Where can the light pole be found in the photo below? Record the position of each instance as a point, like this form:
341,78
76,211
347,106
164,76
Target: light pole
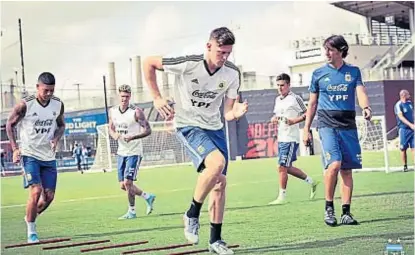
79,92
21,54
16,70
234,27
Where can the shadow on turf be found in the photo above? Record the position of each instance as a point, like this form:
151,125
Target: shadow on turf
322,199
266,205
318,244
401,217
240,208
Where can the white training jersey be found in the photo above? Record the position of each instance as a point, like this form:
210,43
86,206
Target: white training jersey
288,107
126,124
198,93
37,128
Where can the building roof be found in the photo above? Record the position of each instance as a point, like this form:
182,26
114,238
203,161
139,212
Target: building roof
378,10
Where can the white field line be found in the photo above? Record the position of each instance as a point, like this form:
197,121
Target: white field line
114,196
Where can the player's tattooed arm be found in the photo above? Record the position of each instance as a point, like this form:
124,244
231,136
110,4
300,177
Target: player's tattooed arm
143,122
15,117
60,122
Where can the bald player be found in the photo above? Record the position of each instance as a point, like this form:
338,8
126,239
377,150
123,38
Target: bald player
404,112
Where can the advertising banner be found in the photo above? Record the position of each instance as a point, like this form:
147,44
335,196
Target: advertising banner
84,124
262,141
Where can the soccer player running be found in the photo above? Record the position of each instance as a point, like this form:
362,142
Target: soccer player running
332,95
202,81
127,124
404,112
41,123
289,111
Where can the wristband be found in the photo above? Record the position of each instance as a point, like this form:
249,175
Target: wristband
368,107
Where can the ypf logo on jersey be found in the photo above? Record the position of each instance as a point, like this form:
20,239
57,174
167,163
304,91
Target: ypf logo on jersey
202,95
122,129
336,92
43,126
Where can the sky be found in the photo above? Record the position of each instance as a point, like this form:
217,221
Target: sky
77,40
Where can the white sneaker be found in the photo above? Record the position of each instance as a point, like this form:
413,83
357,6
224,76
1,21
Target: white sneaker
191,229
33,238
279,201
220,247
314,189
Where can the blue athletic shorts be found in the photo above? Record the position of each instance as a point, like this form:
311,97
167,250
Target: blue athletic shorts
200,142
406,138
340,145
287,153
128,167
39,172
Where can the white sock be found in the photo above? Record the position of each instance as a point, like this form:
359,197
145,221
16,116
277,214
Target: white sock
131,209
282,193
309,180
31,228
145,195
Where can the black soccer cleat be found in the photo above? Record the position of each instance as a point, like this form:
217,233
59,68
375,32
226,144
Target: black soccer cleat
330,217
347,219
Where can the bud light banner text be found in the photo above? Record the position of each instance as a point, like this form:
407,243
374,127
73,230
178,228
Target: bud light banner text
84,124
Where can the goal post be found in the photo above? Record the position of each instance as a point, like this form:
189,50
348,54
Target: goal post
103,155
159,149
374,144
378,153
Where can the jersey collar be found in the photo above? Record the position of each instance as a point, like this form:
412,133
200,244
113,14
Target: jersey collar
126,109
43,105
289,93
207,67
331,67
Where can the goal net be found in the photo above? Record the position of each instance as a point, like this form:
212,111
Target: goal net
103,157
161,148
379,154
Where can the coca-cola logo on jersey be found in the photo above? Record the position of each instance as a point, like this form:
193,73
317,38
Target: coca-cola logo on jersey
207,94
